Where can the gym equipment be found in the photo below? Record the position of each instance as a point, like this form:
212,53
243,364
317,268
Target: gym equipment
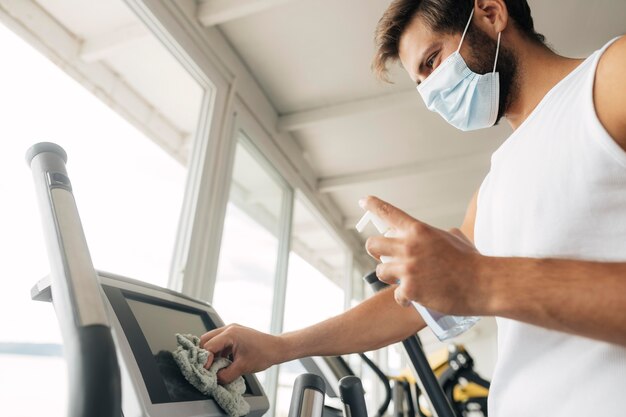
334,368
449,384
352,396
465,389
144,320
118,333
307,399
403,402
95,386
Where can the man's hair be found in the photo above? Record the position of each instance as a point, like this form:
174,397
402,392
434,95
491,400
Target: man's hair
444,16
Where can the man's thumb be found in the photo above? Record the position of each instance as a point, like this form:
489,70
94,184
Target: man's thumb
229,374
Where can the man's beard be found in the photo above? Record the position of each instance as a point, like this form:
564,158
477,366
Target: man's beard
483,54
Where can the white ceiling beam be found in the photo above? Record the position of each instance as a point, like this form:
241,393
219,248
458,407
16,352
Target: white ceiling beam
297,121
104,45
216,12
428,168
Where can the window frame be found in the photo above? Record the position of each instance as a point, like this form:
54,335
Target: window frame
249,133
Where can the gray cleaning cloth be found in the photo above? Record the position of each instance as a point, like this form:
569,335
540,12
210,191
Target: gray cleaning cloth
191,359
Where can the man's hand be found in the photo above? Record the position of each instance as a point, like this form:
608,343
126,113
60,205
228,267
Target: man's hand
251,351
438,269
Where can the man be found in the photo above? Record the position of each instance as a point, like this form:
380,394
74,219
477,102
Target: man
543,243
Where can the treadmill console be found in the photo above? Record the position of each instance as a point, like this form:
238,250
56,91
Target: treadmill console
145,319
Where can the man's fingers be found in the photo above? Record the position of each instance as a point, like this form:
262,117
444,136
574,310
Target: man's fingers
390,273
385,246
209,360
230,373
400,297
210,335
393,216
218,344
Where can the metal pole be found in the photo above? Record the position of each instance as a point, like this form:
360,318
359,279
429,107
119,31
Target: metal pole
94,375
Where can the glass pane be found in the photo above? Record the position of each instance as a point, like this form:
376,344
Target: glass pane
317,265
247,267
311,296
358,292
128,189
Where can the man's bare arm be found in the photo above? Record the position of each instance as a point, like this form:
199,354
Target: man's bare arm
376,322
373,324
583,298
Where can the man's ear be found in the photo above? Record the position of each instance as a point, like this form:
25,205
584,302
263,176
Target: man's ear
492,16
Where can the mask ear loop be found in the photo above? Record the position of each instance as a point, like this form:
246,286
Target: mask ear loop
465,31
497,52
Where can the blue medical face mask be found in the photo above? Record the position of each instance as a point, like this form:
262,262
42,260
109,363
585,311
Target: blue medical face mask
466,100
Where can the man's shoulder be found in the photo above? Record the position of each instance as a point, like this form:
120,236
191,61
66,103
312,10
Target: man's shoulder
610,90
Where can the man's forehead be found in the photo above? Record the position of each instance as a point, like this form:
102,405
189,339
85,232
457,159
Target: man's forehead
417,37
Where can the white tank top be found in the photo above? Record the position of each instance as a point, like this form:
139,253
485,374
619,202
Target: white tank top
556,188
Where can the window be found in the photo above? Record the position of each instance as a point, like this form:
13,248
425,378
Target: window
317,269
358,287
128,191
244,289
249,254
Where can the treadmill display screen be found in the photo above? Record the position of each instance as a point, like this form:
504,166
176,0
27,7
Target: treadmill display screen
159,325
150,326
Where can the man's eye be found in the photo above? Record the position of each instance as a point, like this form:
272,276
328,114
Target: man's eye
431,60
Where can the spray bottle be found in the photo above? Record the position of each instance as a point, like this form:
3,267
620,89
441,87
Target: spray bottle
443,326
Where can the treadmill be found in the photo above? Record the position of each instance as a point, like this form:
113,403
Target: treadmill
118,333
144,319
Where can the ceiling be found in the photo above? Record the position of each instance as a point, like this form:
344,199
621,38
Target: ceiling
310,55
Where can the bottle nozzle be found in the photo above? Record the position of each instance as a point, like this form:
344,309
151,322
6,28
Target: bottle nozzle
379,223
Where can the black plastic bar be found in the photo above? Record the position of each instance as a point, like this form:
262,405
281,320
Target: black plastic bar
352,396
410,404
307,398
413,349
94,375
398,400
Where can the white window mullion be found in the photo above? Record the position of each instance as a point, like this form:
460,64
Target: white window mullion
198,254
194,178
348,280
280,289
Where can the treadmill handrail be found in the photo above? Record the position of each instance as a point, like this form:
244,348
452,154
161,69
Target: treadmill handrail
307,398
94,375
352,396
